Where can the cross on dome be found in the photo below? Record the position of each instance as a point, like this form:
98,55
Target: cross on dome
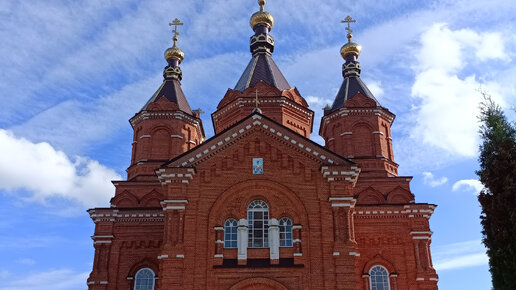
349,20
175,23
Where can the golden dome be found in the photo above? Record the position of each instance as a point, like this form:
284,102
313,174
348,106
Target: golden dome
174,52
350,47
262,17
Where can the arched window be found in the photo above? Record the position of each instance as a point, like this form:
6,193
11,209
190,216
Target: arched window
230,233
144,279
258,219
285,232
379,278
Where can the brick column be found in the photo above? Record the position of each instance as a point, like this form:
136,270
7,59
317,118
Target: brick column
99,276
274,241
242,241
172,253
394,281
344,249
365,278
219,246
298,250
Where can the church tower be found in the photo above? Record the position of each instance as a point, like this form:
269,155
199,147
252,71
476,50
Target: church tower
166,126
356,126
263,85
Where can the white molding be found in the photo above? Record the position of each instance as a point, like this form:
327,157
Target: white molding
420,279
218,228
354,254
295,227
174,207
162,257
336,253
341,205
341,198
176,136
433,279
103,282
180,256
102,242
175,200
298,254
218,256
144,136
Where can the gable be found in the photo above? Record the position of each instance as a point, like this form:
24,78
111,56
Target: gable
267,129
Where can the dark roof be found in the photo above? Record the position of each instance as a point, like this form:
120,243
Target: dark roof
171,89
349,88
262,68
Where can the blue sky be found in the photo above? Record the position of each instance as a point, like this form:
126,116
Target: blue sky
73,73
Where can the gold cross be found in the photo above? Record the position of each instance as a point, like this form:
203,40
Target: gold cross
176,22
348,20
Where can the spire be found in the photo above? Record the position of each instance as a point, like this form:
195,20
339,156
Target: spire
172,74
262,66
352,83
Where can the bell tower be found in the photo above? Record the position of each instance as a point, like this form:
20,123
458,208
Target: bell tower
166,126
262,84
356,126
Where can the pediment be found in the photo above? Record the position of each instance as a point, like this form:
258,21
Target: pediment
360,101
162,104
253,127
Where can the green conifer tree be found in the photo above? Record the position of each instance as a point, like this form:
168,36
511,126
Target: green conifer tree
498,199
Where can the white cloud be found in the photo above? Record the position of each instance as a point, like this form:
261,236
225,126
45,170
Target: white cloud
472,185
61,279
430,180
469,260
447,114
46,172
459,255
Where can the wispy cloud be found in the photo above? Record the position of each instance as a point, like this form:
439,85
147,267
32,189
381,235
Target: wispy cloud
47,173
459,255
471,185
60,279
430,180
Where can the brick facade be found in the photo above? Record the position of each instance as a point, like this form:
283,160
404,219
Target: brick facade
350,211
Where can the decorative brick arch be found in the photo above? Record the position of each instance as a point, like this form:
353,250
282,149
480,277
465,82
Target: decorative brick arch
399,195
258,284
370,196
151,199
124,199
145,263
379,260
233,202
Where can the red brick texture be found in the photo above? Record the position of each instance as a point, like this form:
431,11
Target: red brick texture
347,218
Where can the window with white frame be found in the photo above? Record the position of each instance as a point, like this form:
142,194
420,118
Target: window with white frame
144,279
230,233
379,278
258,219
285,232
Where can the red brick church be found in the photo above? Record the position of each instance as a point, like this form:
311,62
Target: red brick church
259,205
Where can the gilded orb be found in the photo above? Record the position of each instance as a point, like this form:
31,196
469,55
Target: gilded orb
174,52
350,47
262,17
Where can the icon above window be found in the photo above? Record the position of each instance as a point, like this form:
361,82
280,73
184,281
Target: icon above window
257,165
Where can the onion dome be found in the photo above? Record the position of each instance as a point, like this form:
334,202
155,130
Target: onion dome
174,52
262,17
350,47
